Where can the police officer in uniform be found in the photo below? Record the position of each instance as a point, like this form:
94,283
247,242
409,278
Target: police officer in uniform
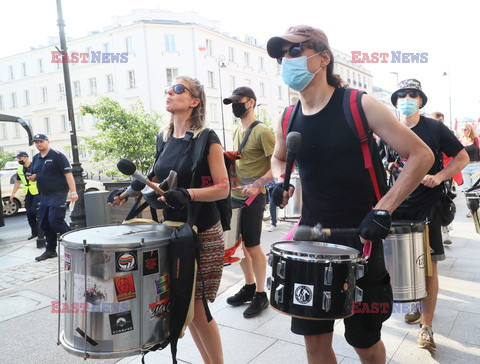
32,198
53,173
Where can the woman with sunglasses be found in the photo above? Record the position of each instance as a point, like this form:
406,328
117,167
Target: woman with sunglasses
185,101
469,139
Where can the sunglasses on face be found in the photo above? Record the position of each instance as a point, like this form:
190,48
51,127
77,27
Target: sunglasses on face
178,89
295,50
403,94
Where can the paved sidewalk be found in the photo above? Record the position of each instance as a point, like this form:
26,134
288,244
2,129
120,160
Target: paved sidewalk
29,328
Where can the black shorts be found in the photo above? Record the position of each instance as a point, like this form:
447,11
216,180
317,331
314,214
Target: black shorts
434,226
251,219
363,329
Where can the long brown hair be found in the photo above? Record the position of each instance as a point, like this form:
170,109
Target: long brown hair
471,133
198,112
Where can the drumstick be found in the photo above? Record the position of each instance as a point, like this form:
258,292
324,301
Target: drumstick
319,233
127,167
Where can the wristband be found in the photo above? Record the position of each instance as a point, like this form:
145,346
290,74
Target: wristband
74,193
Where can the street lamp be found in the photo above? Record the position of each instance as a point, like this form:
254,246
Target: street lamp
77,216
396,74
221,64
397,113
449,96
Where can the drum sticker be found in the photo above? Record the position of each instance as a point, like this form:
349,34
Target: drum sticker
68,261
159,309
121,322
125,287
162,284
150,262
126,261
421,261
303,294
97,292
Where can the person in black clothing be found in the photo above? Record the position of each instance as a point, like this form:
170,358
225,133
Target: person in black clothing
336,188
185,101
423,203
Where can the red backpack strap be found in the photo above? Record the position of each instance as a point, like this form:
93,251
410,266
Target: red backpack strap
286,118
354,98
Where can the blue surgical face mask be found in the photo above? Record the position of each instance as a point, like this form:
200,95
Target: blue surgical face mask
407,106
295,72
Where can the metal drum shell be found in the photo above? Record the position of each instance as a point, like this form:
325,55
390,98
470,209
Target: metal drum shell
405,260
104,246
296,265
231,236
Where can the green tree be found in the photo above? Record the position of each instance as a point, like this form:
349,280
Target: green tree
262,115
6,157
122,134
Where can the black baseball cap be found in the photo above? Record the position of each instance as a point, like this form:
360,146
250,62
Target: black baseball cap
40,137
21,154
238,93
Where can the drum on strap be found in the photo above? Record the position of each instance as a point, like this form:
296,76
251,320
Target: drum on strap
314,280
116,290
405,260
232,237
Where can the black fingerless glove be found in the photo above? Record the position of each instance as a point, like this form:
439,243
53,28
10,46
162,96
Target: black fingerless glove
116,192
376,225
178,198
277,193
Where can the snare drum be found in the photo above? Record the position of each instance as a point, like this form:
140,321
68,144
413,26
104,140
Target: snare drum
116,290
313,280
405,260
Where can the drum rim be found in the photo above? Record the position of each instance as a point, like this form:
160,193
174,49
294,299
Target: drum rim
354,256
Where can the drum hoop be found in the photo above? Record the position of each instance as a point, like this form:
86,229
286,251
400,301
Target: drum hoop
319,259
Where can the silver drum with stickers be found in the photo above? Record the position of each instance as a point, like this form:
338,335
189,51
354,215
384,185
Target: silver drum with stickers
116,292
314,280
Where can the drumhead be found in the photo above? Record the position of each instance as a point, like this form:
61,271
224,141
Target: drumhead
315,250
408,226
118,236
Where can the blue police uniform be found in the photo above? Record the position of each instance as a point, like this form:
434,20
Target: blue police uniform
53,187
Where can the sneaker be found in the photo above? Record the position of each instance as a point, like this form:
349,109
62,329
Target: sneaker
245,295
258,304
271,228
469,214
47,254
412,318
425,338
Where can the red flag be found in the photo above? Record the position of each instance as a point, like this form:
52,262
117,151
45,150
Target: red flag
456,125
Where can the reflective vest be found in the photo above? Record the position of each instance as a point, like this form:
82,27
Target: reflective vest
28,186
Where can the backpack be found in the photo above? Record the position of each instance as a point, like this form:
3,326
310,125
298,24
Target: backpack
224,206
356,120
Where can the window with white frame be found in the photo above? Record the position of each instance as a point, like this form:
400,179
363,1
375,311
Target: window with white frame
106,47
64,123
246,58
3,131
1,102
13,97
171,74
24,69
128,44
40,66
231,54
213,113
232,83
209,43
131,79
79,122
262,89
93,85
169,42
211,79
280,92
110,87
77,91
17,130
248,83
10,72
26,93
44,94
261,65
61,91
46,125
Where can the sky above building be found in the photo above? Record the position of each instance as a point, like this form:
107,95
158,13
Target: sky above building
444,32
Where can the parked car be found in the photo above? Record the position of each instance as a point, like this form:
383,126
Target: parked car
8,178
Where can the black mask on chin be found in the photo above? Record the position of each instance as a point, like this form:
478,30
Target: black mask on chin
239,109
21,162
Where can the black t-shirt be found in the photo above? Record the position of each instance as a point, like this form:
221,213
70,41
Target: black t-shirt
440,139
177,155
472,151
336,188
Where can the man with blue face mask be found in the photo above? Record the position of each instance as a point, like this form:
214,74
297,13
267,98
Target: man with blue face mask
424,203
337,190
